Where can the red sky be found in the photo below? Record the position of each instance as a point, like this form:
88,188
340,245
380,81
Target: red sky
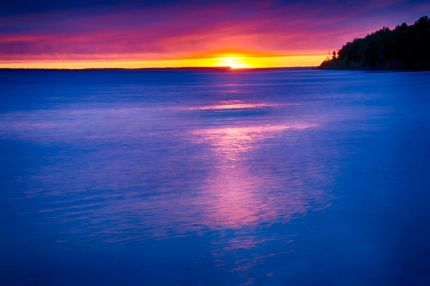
180,33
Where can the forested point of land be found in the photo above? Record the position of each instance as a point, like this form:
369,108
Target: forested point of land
406,47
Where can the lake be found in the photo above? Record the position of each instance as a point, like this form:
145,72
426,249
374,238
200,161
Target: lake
214,177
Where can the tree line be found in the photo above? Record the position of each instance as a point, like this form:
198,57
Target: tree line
406,47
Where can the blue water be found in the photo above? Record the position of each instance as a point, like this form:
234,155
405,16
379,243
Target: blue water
200,177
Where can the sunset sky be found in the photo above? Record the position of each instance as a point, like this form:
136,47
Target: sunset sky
240,34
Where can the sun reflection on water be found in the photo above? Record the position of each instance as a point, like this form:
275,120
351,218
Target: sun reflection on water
235,195
230,142
233,104
236,191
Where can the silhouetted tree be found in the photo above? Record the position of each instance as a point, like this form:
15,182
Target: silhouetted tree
405,47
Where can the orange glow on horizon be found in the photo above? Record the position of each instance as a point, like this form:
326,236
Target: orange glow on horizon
232,61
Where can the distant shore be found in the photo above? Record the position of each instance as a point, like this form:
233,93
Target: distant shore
224,69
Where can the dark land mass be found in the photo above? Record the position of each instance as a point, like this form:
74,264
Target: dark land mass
407,47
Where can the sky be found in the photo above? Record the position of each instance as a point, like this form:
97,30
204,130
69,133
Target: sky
139,34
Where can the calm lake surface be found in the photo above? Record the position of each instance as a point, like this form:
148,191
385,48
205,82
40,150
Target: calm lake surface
205,177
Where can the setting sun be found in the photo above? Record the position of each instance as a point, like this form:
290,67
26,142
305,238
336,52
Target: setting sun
235,62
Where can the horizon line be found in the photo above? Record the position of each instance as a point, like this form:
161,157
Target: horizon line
218,68
234,61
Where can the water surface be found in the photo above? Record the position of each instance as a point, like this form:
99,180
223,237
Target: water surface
201,177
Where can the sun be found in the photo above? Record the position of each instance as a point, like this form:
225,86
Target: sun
235,62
